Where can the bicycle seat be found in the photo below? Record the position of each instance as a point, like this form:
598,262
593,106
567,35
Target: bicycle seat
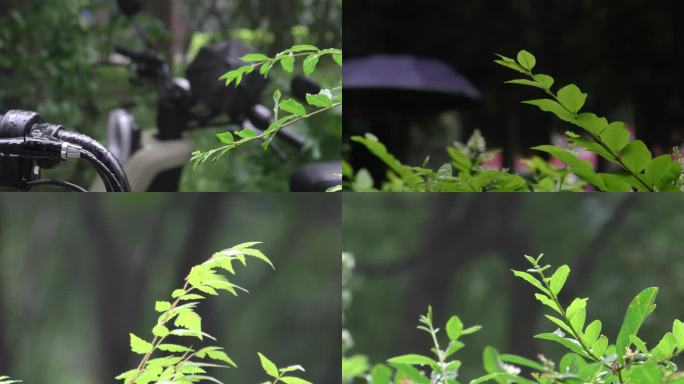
317,177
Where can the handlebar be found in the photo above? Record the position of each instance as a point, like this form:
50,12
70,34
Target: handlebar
26,145
137,56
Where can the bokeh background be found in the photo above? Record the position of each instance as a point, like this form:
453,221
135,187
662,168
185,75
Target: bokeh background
78,274
455,253
56,59
625,54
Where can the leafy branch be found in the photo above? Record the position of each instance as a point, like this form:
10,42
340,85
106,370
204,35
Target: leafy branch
443,370
325,100
281,375
186,364
610,140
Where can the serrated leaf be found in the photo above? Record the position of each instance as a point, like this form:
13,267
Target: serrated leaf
139,345
160,331
269,367
162,306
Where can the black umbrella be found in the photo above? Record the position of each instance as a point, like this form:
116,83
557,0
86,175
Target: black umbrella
404,83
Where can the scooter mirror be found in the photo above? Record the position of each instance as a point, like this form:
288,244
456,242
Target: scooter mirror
129,7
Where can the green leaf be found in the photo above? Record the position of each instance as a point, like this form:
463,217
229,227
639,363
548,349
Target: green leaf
162,306
160,330
678,332
177,293
293,380
221,356
338,58
548,105
139,345
526,82
591,123
572,98
658,169
303,47
648,373
572,345
225,137
189,320
599,347
526,60
639,309
640,344
255,57
592,333
545,80
547,301
269,367
615,136
287,62
380,151
576,313
558,279
530,279
454,327
310,64
173,348
413,359
293,106
636,156
247,133
614,183
323,99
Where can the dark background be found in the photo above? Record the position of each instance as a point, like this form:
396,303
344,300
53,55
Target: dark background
455,253
626,54
78,274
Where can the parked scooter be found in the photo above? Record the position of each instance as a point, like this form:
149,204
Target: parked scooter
154,159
